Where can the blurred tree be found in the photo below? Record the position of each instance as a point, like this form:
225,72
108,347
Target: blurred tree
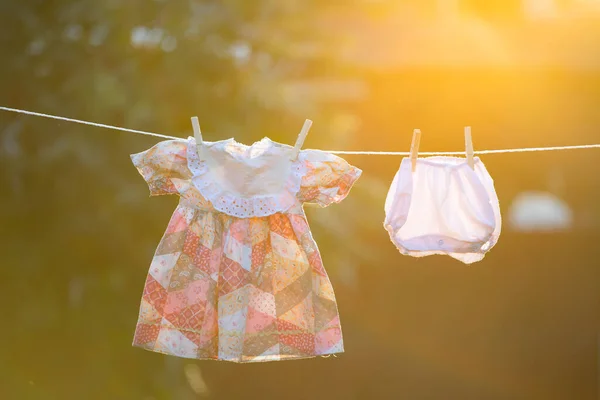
78,231
242,67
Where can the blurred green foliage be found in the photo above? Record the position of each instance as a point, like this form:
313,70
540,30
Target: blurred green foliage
78,230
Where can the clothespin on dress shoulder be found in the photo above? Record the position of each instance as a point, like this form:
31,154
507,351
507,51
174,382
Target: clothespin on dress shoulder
197,135
414,148
301,138
469,147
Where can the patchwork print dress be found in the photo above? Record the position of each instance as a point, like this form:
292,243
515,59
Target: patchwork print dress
237,275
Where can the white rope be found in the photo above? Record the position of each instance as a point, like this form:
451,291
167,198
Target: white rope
380,153
86,122
461,153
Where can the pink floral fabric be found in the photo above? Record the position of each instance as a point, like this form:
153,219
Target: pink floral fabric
239,289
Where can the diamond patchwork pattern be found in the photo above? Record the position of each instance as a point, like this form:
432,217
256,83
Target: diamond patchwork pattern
245,289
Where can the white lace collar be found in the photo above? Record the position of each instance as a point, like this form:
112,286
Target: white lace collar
246,157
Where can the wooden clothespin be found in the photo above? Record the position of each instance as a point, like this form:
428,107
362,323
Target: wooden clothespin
197,132
301,138
414,148
197,135
469,147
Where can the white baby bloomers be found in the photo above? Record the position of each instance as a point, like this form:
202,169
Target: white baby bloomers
443,207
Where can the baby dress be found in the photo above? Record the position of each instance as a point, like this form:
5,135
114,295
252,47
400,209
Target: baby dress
237,275
443,207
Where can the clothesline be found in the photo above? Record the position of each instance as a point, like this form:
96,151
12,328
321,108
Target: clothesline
383,153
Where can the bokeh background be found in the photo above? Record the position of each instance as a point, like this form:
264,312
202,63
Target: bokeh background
78,229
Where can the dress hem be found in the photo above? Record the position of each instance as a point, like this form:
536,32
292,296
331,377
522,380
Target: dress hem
249,360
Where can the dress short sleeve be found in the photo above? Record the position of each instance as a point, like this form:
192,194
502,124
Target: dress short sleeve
162,164
327,179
